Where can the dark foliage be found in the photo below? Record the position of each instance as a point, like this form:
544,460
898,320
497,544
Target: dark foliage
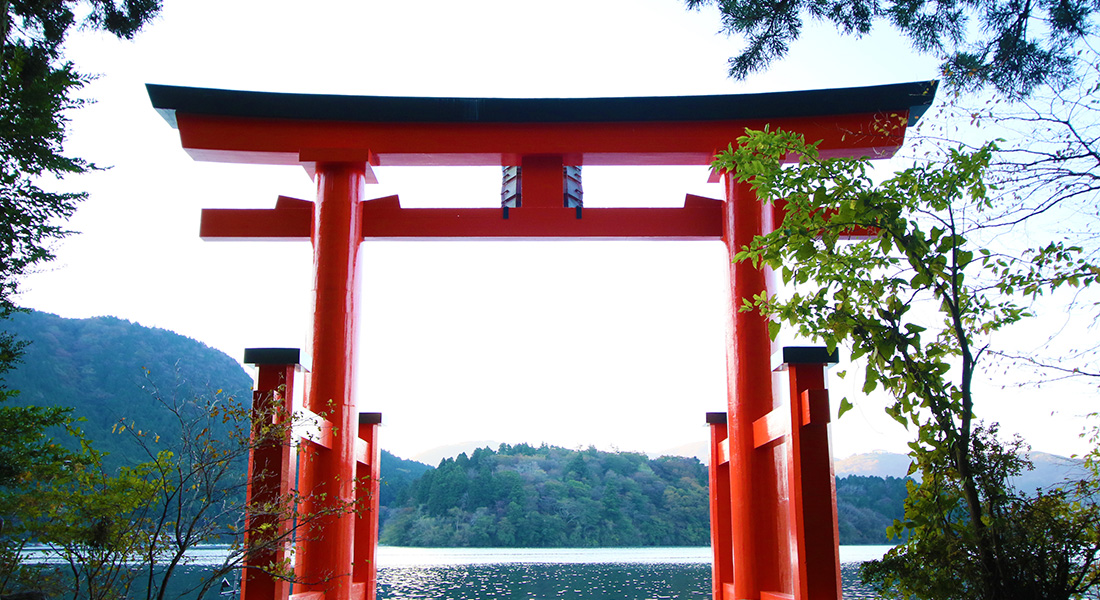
37,88
1040,546
1011,45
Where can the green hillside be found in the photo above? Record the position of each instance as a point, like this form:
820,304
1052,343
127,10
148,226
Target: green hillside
104,368
866,506
397,475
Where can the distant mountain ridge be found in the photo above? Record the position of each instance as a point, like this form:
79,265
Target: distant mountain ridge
104,367
877,464
1050,469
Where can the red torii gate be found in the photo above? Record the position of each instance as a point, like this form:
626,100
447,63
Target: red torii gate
773,505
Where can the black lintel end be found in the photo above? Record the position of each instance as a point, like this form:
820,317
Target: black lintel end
804,355
272,356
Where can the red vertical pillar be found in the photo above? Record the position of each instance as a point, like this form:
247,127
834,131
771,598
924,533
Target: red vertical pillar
328,475
721,528
270,473
812,481
758,561
368,476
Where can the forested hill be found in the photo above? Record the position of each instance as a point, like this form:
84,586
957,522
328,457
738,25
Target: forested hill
98,366
866,506
521,496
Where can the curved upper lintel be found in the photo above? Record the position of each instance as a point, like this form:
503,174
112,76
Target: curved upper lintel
271,128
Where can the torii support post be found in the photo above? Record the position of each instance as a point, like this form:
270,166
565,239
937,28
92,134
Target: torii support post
721,526
755,515
794,434
811,483
270,473
326,554
368,477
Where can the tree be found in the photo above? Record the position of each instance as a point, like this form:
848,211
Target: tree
31,461
1039,59
198,472
1045,545
92,520
37,87
1046,174
532,497
1014,46
918,302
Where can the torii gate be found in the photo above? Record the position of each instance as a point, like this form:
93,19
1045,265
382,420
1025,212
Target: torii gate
773,504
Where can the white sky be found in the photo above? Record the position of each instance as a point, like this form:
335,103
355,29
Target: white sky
617,344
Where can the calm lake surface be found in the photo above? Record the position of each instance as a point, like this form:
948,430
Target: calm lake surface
542,574
574,574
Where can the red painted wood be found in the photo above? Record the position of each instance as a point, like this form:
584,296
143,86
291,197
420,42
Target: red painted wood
771,427
819,551
270,479
542,181
368,478
290,142
239,224
760,564
383,218
815,407
724,451
325,557
748,489
699,219
796,498
721,526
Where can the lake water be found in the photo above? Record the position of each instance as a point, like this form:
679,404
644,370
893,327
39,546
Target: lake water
572,574
552,573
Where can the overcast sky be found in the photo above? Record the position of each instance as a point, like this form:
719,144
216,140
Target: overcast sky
616,344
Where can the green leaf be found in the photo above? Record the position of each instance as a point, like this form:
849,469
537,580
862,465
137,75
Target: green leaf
869,385
845,406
